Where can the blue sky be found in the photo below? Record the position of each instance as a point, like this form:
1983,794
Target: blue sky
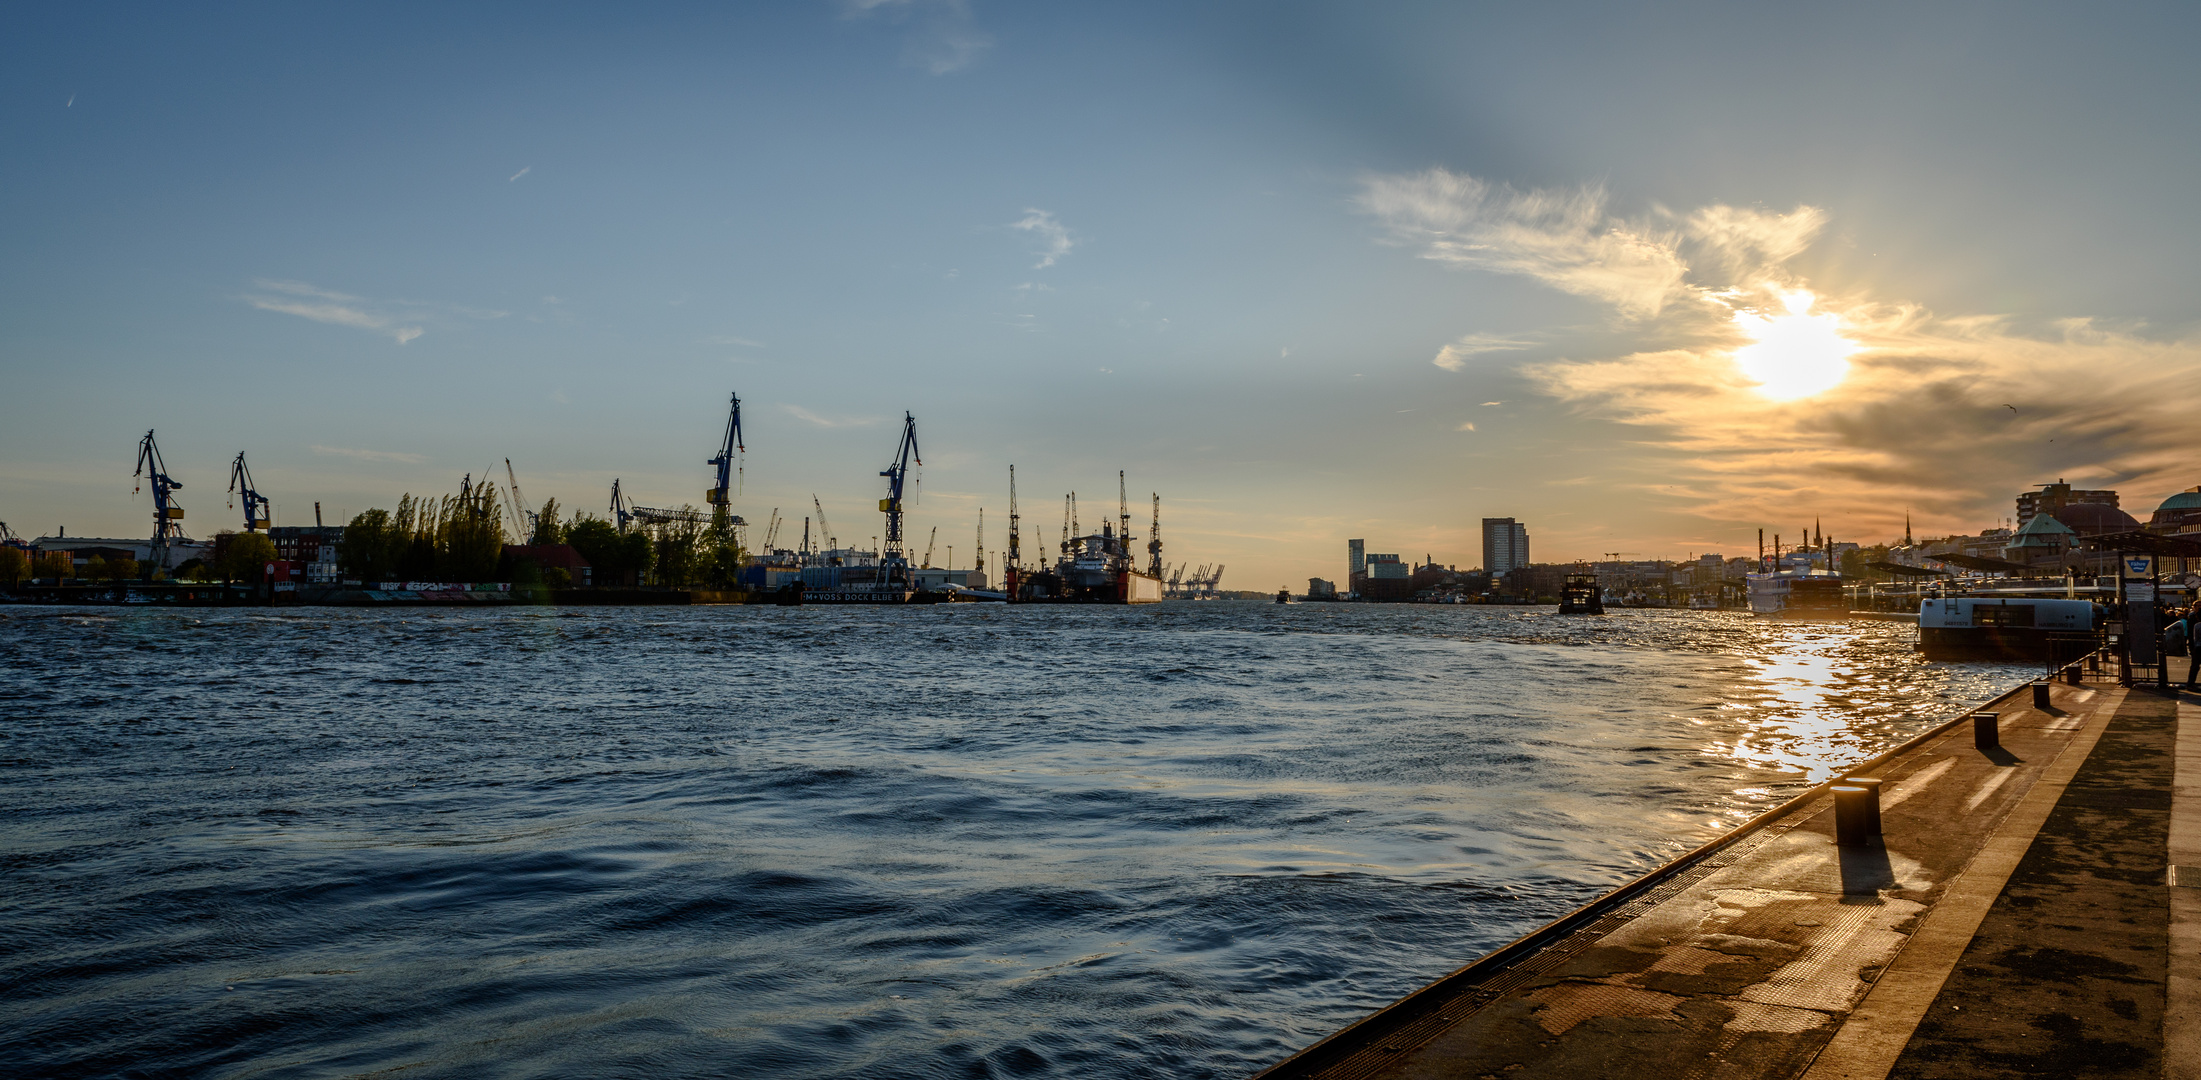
1272,260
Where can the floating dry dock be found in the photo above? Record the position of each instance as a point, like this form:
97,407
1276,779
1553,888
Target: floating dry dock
2028,909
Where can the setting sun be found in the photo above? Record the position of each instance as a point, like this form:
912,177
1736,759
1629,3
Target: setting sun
1796,354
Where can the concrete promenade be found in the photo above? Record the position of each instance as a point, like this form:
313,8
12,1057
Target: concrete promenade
2025,914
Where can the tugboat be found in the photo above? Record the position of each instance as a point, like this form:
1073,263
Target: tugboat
1580,594
1283,596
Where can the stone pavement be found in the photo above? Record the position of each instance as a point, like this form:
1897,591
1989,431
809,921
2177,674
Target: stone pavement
2016,920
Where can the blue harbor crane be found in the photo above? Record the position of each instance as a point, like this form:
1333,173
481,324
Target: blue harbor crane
165,511
891,506
240,484
718,496
619,510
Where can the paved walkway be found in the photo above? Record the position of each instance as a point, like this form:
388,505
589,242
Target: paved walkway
2018,921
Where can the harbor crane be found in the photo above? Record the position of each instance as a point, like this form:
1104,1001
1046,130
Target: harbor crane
1154,541
728,458
1013,553
978,561
1123,515
524,520
929,542
896,474
166,513
825,528
772,529
620,511
256,504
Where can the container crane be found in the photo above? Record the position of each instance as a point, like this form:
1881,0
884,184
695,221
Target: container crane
165,511
891,506
728,458
240,484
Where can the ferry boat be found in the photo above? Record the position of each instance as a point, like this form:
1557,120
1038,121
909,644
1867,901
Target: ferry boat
1798,595
2004,628
1580,594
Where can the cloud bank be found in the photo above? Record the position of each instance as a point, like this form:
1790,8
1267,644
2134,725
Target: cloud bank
1765,402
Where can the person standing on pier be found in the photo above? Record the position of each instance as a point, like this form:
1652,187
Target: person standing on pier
2178,641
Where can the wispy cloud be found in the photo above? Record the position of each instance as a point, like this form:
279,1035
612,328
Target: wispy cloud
729,339
943,37
400,320
1466,425
1054,237
370,455
808,417
1454,357
524,170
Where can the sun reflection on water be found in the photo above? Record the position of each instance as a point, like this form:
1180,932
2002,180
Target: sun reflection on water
1798,698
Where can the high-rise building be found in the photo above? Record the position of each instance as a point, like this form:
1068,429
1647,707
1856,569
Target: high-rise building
1357,552
1505,545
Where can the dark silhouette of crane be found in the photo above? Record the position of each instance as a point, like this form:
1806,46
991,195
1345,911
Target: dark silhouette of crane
240,484
1154,541
165,511
892,555
728,458
620,511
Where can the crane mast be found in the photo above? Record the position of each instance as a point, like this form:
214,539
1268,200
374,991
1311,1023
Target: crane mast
728,453
1154,540
1123,519
891,506
825,528
619,509
929,542
1014,553
240,484
978,561
524,520
165,511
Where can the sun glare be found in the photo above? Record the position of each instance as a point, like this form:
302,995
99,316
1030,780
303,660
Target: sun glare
1796,354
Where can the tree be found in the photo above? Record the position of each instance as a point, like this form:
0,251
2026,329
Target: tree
471,539
15,565
611,553
368,550
680,549
246,556
547,528
56,565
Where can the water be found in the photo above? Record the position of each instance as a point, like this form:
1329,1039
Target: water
939,842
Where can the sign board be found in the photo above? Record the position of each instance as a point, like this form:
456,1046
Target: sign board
2137,566
2139,592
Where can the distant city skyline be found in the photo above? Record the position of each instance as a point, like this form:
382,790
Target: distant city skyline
1647,279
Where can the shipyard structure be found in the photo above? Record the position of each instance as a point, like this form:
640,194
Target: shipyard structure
462,549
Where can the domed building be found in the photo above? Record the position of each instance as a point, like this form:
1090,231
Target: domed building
2043,543
2180,514
2095,519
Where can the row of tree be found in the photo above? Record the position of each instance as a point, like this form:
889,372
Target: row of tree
461,538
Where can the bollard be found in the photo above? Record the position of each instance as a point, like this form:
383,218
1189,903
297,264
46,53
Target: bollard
1856,812
2040,695
2094,663
2072,675
1986,731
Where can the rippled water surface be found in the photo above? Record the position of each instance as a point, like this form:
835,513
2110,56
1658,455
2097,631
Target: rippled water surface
1182,839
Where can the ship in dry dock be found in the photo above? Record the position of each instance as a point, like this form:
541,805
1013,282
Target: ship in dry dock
1090,568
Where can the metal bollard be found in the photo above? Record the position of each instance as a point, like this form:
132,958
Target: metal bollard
1856,812
2040,695
2072,675
1986,730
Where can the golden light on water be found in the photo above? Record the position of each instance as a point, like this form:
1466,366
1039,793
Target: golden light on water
1794,354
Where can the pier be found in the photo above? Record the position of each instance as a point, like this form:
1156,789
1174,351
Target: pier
2030,905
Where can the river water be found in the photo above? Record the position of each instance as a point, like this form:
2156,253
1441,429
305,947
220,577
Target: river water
1182,839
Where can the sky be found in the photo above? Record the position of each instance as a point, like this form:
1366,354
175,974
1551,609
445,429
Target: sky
1647,280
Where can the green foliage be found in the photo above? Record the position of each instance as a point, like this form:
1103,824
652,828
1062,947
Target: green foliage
368,551
557,578
610,552
455,538
680,551
55,565
246,556
15,565
547,528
